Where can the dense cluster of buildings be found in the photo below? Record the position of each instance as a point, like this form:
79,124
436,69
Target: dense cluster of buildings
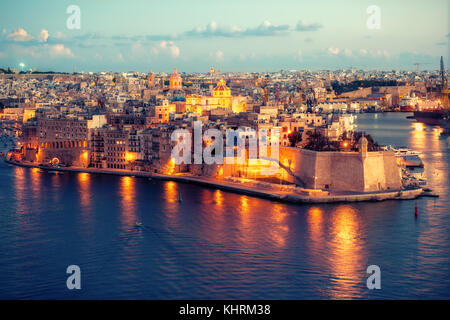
124,121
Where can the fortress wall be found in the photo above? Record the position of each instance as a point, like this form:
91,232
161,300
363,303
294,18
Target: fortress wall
392,171
344,171
374,173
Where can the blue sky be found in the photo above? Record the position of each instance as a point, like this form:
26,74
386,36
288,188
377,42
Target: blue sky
232,35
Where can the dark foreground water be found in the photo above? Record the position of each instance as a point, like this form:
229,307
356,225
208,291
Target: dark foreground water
219,245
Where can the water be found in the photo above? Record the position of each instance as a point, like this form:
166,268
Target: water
220,245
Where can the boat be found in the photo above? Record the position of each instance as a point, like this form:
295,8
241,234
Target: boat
402,151
408,157
431,117
55,172
434,115
445,122
408,103
412,161
138,224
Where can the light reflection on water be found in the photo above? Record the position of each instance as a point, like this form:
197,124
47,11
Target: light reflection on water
215,244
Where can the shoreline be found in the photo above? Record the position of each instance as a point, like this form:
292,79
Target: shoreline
275,195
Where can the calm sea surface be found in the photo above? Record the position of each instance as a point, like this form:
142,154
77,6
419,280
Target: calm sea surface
220,245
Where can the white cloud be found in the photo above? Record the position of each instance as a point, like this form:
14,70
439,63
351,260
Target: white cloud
348,52
58,50
303,26
43,36
219,55
214,30
382,53
166,47
137,48
334,51
20,35
58,35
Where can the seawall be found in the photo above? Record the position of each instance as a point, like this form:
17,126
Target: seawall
281,196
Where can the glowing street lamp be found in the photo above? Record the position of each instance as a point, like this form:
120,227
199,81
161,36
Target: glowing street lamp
22,65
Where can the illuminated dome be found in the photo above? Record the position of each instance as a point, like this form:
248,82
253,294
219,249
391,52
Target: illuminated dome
175,80
221,90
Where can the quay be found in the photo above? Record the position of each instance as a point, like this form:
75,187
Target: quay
246,189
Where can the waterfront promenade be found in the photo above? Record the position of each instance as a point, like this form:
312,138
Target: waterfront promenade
246,187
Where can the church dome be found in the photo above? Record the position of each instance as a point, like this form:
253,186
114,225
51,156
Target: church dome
221,86
222,90
175,81
175,74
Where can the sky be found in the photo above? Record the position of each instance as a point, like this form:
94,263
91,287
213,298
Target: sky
231,36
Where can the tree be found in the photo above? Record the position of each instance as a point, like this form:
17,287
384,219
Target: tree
317,142
372,144
294,138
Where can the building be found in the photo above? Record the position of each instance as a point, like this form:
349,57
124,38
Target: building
361,171
115,148
221,98
175,81
62,141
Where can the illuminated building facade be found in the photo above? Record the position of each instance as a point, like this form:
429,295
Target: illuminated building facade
64,139
115,148
175,82
221,98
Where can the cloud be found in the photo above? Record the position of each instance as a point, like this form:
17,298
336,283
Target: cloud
137,48
381,53
267,29
304,27
363,52
214,30
20,35
59,50
333,51
443,43
219,55
58,35
166,47
348,52
43,36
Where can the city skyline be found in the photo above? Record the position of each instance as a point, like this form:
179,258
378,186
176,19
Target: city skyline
230,36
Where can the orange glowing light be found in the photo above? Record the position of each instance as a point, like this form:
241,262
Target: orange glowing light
170,166
418,126
129,156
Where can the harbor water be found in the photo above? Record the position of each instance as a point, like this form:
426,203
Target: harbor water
219,245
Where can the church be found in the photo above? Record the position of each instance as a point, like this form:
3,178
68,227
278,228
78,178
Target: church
221,98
